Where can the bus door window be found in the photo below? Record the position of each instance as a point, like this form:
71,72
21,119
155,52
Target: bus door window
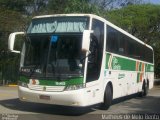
96,51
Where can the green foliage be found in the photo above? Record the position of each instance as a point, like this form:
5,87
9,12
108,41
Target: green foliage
16,5
11,21
71,6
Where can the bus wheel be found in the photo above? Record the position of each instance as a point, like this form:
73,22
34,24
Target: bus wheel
108,96
145,88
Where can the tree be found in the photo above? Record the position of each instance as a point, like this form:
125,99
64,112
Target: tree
16,5
114,4
67,6
11,21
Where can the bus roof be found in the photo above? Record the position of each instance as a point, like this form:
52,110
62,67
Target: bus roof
61,15
100,18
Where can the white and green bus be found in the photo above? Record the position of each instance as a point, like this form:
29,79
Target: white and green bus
81,60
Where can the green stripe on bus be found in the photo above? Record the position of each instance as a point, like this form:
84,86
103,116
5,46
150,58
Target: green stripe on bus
149,68
120,63
125,64
73,81
24,79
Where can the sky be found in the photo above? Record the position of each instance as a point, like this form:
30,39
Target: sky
153,1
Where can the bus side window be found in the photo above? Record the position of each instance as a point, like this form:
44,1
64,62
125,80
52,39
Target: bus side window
121,46
112,40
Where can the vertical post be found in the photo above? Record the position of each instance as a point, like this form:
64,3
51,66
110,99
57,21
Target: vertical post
3,76
3,82
0,74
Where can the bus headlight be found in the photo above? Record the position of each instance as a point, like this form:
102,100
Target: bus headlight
23,84
75,87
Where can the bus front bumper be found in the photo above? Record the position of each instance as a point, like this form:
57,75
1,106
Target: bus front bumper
67,98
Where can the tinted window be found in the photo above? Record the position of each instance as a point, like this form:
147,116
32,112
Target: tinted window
96,49
112,40
119,43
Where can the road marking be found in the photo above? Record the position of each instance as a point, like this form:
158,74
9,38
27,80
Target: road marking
6,95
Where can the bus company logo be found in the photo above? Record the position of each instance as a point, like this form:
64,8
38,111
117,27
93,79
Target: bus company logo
120,76
115,64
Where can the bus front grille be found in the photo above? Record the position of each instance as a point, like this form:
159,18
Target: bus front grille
46,88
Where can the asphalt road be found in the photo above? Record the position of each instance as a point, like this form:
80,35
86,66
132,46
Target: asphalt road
132,107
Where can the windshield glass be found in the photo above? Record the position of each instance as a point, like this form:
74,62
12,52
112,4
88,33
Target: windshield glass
52,47
56,56
58,24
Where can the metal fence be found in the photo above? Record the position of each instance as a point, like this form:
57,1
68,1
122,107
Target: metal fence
9,68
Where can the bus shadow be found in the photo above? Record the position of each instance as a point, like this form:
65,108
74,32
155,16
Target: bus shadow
138,104
17,105
125,98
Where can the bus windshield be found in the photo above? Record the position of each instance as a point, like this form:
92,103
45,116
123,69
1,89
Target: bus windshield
56,56
52,47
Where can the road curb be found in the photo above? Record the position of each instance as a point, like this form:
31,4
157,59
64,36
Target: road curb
12,85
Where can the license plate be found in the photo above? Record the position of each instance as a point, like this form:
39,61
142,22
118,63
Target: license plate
44,97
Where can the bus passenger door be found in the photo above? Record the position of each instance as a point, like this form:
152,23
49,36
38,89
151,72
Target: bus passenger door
95,61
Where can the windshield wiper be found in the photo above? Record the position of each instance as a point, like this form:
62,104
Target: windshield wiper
33,70
82,59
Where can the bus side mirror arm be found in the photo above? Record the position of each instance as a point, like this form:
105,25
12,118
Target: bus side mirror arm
11,41
86,40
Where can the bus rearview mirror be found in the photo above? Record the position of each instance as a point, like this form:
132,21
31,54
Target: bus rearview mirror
11,41
86,40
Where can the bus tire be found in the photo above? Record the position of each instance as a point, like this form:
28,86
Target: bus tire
145,88
108,96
